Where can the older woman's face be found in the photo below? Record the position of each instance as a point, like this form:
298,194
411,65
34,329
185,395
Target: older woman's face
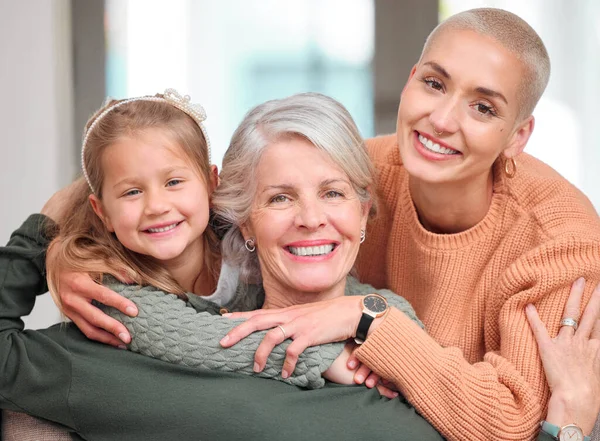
306,219
466,87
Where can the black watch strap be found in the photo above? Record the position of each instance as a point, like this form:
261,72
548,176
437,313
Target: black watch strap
363,328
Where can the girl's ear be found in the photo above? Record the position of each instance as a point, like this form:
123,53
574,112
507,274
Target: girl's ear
213,178
97,207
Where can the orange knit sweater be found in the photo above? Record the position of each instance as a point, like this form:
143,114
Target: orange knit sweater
475,373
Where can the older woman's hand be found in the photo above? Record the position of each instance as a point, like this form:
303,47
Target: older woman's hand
572,362
307,325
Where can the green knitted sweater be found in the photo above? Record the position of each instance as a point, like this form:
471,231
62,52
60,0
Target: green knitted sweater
169,329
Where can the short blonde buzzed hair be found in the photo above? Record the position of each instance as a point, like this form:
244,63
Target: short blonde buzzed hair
513,33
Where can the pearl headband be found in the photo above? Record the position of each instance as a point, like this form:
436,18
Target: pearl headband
195,111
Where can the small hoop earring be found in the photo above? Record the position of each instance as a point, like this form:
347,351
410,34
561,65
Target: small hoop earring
249,244
363,235
510,167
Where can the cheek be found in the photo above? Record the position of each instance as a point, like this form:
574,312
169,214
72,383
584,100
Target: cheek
348,221
123,217
270,227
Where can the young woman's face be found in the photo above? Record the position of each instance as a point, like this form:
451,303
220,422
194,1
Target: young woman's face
306,219
152,198
465,88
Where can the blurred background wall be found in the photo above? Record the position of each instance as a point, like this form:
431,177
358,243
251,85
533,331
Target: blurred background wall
60,58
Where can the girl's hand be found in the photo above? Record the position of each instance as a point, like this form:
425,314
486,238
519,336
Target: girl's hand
307,325
572,361
339,373
77,290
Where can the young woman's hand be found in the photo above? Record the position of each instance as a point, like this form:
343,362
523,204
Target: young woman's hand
572,361
339,373
307,325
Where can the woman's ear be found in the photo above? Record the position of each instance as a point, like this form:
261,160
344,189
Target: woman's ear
246,231
366,209
520,137
410,76
97,207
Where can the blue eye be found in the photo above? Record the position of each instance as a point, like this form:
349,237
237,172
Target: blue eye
132,193
174,182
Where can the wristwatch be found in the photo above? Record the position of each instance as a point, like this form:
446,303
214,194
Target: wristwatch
374,306
570,432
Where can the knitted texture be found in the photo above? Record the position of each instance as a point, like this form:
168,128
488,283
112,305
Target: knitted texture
476,375
168,329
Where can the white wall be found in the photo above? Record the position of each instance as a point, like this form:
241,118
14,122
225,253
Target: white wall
36,148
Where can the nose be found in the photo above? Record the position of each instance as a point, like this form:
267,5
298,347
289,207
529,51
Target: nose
311,214
444,118
156,203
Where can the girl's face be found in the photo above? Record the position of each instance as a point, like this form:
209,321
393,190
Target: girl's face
306,219
153,198
465,87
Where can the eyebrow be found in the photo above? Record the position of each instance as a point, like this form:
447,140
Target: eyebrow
288,187
134,180
482,90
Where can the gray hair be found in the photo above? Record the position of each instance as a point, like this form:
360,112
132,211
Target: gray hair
513,33
319,119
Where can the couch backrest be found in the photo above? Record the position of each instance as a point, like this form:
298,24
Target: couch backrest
18,426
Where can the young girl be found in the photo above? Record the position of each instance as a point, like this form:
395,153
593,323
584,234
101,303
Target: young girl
148,179
141,214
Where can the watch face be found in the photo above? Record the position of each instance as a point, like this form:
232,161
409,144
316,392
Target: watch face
375,303
570,433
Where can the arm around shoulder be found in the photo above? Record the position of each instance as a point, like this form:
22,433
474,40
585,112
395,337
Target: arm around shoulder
168,329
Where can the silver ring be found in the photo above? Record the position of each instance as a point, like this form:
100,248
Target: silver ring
282,330
569,322
438,133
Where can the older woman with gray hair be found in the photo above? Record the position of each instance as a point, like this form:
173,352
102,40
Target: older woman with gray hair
294,198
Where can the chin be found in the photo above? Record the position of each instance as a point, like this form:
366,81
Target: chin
313,283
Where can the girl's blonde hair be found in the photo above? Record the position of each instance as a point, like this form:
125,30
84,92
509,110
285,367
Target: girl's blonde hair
83,243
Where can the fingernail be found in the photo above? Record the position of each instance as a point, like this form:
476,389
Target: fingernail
580,281
256,367
360,378
122,347
124,337
395,394
224,340
529,307
227,314
131,311
352,364
284,374
370,383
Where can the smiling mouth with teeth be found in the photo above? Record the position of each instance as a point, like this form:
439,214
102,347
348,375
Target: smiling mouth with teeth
320,250
162,229
436,148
